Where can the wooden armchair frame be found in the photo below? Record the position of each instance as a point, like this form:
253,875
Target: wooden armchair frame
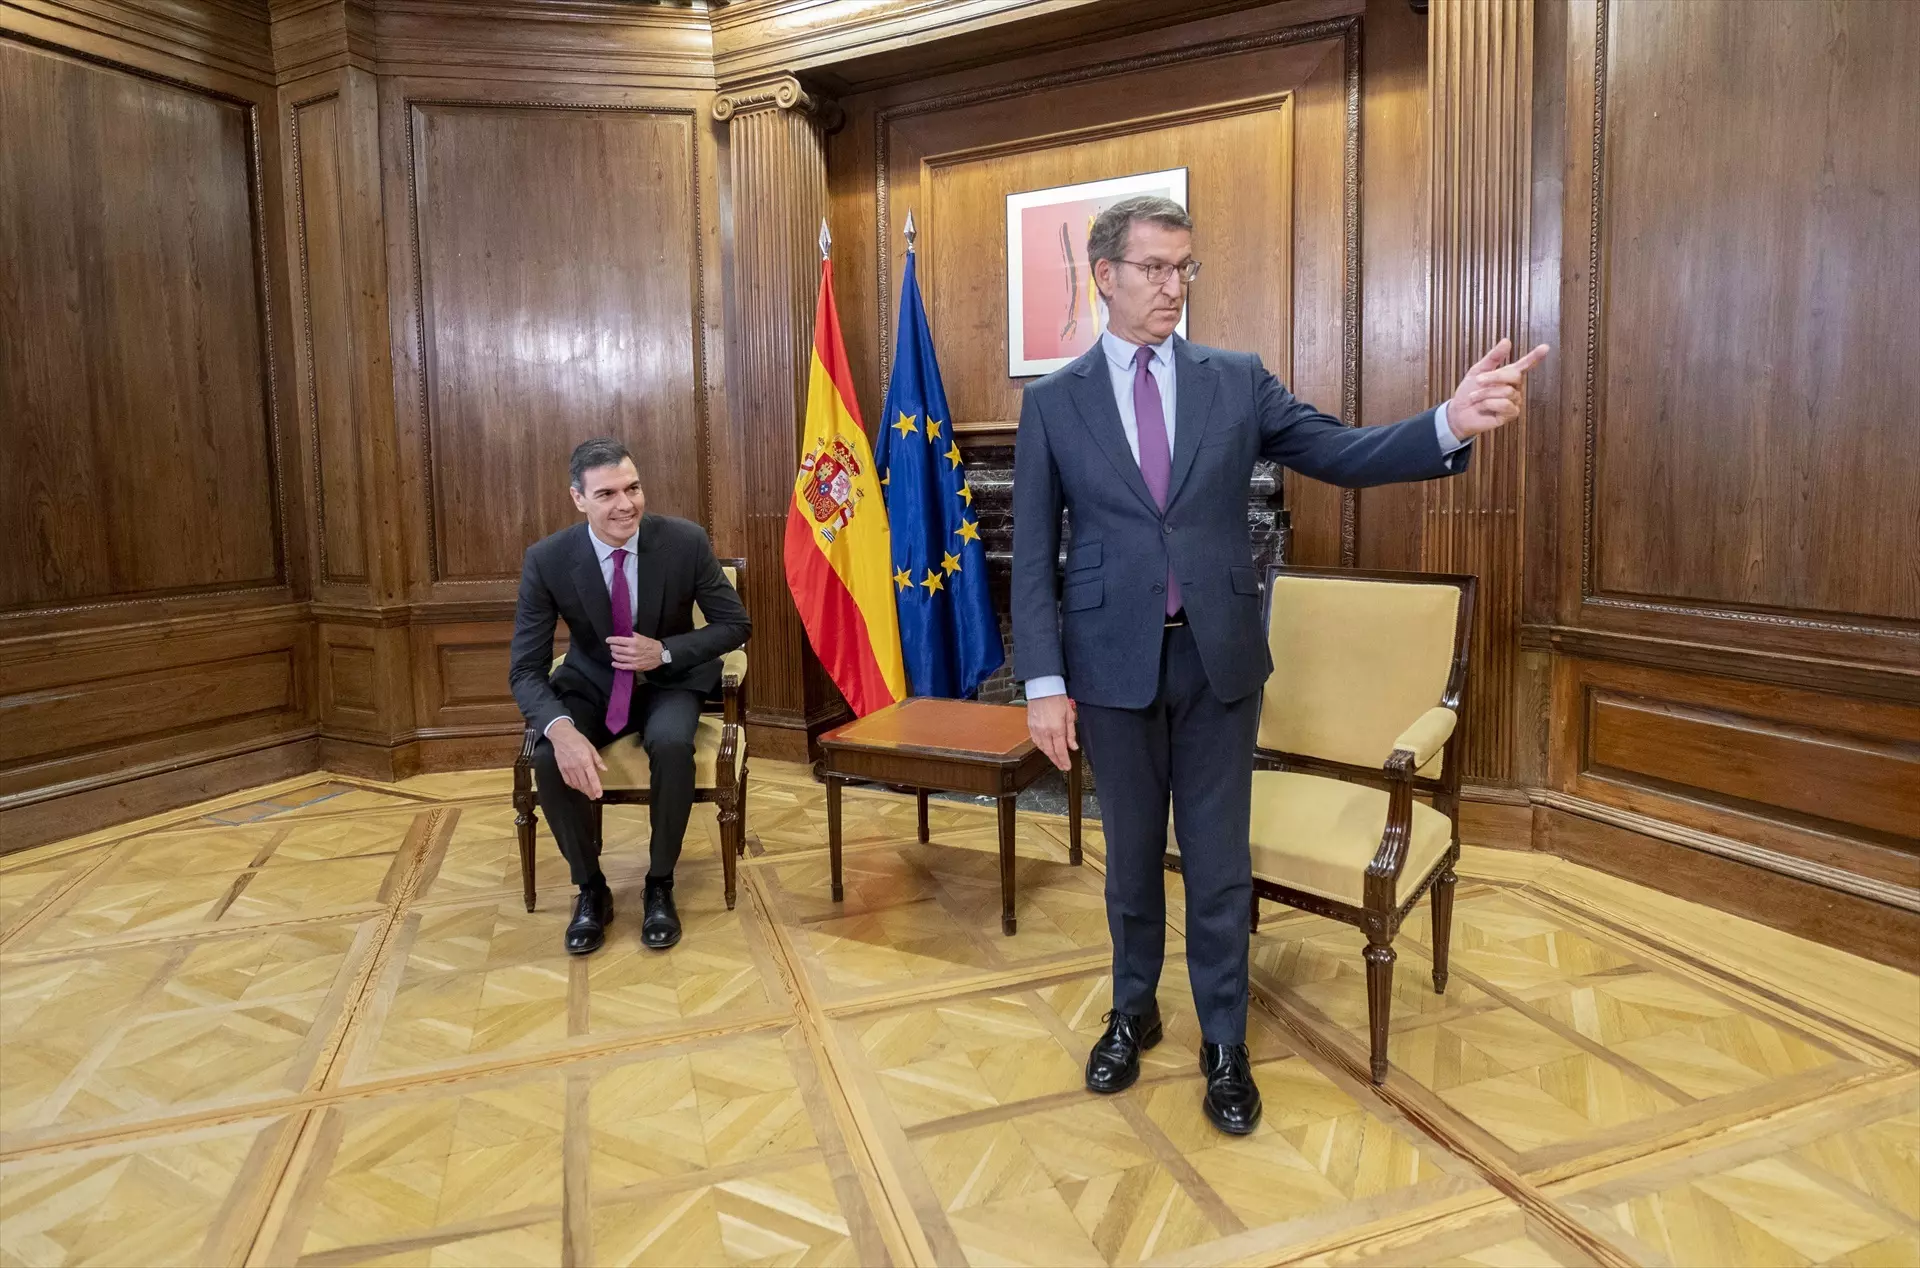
1380,917
728,793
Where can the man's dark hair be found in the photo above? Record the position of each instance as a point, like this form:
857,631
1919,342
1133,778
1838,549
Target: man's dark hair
601,451
1107,240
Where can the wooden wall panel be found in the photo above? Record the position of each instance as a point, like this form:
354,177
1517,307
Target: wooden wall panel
139,453
1853,780
1238,157
86,711
560,270
327,352
1755,367
1721,508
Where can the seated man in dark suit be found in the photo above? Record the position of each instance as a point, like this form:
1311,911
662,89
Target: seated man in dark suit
625,582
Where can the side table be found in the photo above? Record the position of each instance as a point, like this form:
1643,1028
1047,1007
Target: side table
949,746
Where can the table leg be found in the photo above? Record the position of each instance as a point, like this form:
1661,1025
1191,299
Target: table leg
1073,807
1007,924
924,836
833,834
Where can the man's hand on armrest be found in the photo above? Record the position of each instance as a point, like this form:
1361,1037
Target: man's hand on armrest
579,761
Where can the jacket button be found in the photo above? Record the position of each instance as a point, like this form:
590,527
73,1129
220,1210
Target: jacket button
1159,588
1166,530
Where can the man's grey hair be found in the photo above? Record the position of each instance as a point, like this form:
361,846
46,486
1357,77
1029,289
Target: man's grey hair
601,451
1107,240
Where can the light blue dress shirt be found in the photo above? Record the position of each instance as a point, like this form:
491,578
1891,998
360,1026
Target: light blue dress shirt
1120,354
631,566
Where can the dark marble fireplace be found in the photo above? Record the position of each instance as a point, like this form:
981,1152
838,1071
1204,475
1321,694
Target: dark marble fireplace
990,472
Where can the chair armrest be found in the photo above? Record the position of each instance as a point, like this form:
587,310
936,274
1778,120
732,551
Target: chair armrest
734,664
731,706
1427,735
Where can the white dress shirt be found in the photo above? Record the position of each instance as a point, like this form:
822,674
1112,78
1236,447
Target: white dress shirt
1120,371
631,566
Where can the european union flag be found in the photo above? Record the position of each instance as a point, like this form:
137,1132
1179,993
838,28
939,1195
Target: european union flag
947,626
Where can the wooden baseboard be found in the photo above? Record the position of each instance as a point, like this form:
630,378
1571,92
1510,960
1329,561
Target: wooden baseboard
89,810
1874,930
779,743
425,753
1499,825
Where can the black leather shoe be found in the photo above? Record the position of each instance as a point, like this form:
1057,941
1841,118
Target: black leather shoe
660,925
1233,1102
1114,1063
592,913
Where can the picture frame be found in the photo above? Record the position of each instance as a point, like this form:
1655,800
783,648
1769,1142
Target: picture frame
1054,311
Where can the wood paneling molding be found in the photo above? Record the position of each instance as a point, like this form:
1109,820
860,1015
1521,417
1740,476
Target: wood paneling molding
140,321
560,293
1480,76
226,36
1727,875
1711,489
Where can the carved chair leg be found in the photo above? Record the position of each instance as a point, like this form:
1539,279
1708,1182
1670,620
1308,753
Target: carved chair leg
925,835
523,823
1442,924
729,829
833,836
1253,921
740,834
1380,958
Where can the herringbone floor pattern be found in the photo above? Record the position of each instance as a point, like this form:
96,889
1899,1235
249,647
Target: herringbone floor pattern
314,1025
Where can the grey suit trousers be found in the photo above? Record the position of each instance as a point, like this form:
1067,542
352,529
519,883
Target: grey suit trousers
1189,745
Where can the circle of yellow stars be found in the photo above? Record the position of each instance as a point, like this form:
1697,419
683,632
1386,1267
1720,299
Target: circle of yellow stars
969,530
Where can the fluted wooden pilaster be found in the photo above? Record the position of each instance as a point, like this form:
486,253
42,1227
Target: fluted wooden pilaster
1480,69
779,198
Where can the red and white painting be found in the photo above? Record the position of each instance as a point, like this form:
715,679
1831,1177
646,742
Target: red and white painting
1054,310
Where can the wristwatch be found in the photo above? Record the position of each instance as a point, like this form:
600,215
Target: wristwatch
666,657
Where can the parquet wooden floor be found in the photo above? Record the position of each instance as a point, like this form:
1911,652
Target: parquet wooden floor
312,1024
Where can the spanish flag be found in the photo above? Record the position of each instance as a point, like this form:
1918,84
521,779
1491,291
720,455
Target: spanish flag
838,553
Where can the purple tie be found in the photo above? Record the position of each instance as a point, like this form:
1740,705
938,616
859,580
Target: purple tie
622,697
1156,456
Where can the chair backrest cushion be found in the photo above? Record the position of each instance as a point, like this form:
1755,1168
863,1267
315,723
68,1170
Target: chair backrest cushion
1355,662
733,579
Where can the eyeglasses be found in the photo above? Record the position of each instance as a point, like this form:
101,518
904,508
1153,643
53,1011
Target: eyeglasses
1157,274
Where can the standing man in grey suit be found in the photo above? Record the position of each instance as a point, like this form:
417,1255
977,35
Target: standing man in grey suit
1152,653
625,582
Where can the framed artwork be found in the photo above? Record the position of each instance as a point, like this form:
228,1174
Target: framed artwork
1054,310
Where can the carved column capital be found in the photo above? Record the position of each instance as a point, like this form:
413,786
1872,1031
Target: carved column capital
782,92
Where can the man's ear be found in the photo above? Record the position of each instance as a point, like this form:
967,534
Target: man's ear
1103,281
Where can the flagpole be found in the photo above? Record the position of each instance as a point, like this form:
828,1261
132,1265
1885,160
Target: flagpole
826,240
910,231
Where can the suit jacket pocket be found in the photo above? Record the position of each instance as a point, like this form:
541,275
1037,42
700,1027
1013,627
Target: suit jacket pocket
1083,555
1084,594
1246,580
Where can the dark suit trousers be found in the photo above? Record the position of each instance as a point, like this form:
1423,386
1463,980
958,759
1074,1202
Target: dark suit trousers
666,718
1191,745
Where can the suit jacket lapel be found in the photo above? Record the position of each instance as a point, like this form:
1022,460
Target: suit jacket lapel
649,583
1194,381
1092,396
592,585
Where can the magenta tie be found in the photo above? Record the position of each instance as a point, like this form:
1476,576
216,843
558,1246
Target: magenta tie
1156,456
622,698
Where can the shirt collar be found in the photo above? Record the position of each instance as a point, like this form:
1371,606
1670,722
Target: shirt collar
602,551
1120,353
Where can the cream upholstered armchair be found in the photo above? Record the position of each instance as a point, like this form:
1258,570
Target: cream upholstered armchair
1363,711
719,765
